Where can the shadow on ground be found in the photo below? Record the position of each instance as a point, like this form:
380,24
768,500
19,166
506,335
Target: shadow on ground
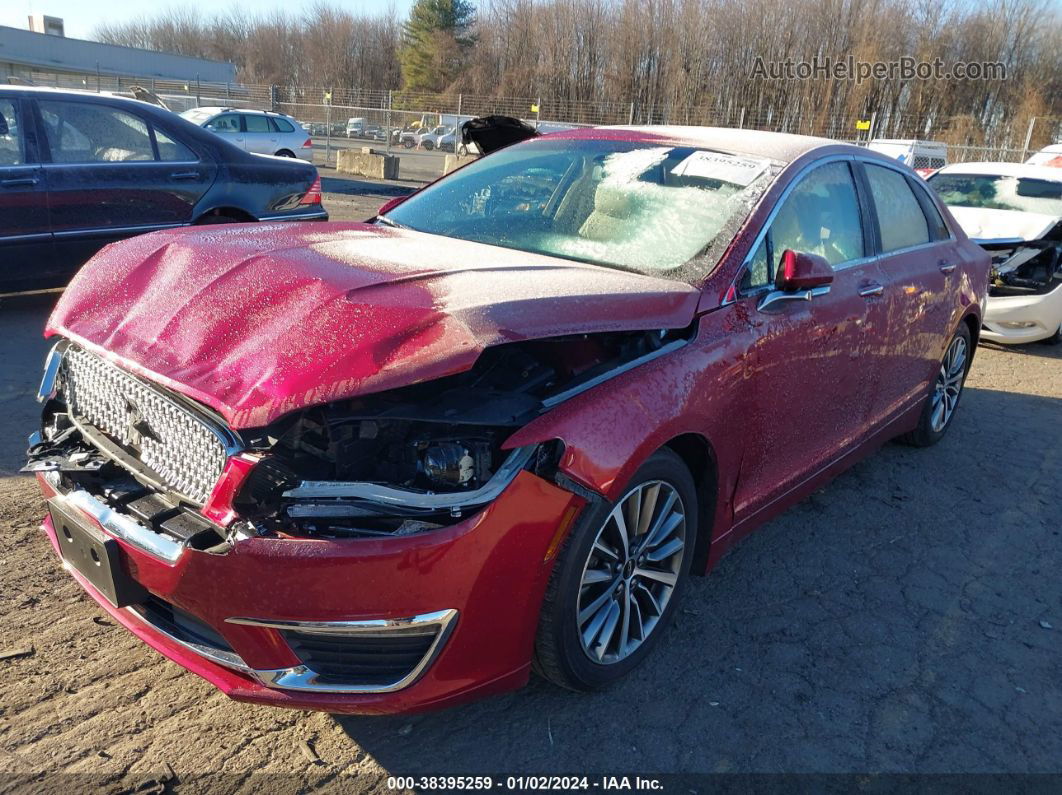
890,622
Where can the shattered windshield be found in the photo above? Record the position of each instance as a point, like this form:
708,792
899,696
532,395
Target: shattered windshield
644,207
997,192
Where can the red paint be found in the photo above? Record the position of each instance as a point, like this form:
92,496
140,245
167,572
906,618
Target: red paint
259,321
218,507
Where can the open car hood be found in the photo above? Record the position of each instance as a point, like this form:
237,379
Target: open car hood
986,226
260,320
489,133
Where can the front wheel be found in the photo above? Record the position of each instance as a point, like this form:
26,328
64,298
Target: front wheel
614,587
943,399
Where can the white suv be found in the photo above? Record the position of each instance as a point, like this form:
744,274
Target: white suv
258,131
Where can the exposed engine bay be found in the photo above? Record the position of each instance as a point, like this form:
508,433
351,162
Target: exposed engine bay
1026,267
403,461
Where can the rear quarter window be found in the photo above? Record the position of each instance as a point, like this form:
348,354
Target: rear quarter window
281,125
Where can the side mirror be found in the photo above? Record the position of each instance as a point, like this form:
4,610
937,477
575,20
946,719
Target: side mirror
801,271
390,204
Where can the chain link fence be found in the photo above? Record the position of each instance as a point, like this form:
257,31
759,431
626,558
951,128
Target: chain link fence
420,126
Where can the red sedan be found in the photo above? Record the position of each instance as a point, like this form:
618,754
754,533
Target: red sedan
396,465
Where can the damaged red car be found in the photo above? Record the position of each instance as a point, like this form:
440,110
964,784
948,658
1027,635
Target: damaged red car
394,465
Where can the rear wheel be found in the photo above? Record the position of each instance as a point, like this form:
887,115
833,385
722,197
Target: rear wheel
285,153
615,585
943,399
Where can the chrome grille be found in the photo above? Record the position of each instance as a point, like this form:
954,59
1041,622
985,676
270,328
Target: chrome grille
172,442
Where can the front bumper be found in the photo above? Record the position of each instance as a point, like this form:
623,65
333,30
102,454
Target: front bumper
482,580
1022,318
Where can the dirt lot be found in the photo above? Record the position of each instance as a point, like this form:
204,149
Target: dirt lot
906,618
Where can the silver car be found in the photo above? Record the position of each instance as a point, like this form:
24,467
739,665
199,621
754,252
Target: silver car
258,131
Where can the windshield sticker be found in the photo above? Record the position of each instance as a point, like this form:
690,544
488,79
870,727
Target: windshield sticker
716,165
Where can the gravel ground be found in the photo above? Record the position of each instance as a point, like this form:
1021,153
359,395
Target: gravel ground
907,618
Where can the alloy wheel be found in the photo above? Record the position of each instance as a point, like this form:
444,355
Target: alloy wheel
631,572
949,385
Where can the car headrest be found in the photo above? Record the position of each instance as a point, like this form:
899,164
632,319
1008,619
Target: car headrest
3,125
614,201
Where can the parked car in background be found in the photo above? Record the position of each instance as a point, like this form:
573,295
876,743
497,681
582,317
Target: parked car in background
259,131
355,127
79,170
430,140
1014,211
924,157
389,466
1048,156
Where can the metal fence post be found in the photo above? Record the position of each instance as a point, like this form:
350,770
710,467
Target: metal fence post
388,121
1028,139
630,117
873,122
198,91
328,128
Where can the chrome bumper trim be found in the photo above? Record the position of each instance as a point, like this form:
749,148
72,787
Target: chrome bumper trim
47,389
121,526
303,678
219,656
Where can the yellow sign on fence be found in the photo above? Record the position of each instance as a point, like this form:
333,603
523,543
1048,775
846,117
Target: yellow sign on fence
534,108
863,124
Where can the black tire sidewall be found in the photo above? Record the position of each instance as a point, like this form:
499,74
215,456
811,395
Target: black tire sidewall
577,667
925,425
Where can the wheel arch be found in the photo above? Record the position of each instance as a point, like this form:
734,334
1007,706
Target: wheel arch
234,213
699,457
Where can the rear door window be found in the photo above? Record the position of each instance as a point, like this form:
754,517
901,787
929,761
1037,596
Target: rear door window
12,148
171,150
256,124
900,217
83,132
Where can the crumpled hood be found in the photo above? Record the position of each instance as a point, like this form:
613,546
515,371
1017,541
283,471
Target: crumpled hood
984,225
260,320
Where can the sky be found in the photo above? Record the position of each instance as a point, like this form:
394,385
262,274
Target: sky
80,18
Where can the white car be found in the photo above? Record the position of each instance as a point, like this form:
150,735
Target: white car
430,139
925,157
1048,156
259,131
1014,211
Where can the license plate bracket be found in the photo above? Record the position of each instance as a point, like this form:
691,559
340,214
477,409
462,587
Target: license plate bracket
95,556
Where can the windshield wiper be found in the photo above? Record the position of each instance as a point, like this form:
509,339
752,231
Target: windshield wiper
382,219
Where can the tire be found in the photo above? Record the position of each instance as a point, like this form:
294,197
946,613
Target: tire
947,387
407,144
285,153
428,145
562,654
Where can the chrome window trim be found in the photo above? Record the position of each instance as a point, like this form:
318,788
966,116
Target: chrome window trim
95,163
303,678
793,183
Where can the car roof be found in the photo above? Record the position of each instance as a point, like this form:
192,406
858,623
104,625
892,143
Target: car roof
781,147
73,92
220,109
1005,170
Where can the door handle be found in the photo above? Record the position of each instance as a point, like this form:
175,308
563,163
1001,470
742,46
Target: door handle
871,289
946,267
19,182
184,175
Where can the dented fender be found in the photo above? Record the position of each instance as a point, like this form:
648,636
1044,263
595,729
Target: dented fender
609,431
